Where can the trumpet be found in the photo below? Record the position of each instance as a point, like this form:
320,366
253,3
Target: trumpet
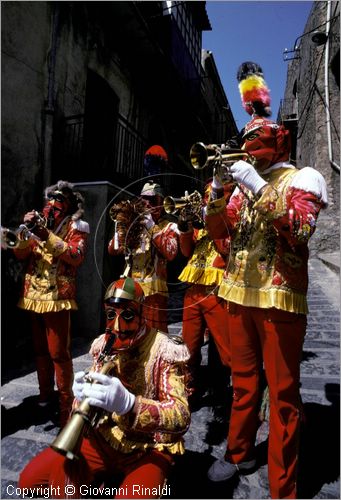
202,156
10,238
190,205
68,441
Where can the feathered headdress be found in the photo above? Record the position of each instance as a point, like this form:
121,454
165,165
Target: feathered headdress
253,89
76,199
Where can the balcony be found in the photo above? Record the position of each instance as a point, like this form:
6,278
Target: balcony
123,157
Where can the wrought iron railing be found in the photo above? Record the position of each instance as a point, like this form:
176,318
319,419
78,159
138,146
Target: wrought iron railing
127,148
73,141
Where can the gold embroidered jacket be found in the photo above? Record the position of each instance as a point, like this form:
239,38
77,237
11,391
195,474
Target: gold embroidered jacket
269,255
50,278
155,371
149,261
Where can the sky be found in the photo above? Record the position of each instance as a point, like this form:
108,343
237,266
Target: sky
257,31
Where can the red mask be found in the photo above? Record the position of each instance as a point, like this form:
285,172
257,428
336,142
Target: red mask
56,209
267,141
125,321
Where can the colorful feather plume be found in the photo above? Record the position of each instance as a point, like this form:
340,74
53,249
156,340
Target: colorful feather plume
254,92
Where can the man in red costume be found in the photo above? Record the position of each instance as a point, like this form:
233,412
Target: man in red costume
53,253
143,408
202,307
158,244
270,216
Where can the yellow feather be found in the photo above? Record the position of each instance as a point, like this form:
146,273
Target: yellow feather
250,83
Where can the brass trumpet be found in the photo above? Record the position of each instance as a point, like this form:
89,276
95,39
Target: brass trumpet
69,440
202,156
10,238
191,204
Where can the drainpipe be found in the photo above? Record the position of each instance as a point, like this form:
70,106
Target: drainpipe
48,112
334,165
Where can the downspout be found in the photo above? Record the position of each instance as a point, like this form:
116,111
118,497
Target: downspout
49,109
334,165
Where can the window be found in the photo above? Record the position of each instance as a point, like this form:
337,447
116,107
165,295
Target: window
190,33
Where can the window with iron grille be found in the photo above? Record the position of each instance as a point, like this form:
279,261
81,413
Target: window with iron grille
190,33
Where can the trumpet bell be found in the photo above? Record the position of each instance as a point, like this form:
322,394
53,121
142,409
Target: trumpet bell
199,155
68,441
171,205
202,155
9,239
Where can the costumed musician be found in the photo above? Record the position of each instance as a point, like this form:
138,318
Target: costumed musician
202,307
53,255
149,241
270,216
143,403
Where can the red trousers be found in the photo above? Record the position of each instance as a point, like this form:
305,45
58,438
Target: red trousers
145,469
203,309
155,310
51,342
276,338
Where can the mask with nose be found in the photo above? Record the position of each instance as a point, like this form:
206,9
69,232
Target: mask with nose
124,314
267,141
56,208
153,196
61,200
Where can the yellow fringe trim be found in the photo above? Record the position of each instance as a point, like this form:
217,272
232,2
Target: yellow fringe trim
206,276
47,306
280,299
115,437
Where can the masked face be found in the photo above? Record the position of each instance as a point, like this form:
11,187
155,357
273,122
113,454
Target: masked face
155,205
268,142
56,208
126,322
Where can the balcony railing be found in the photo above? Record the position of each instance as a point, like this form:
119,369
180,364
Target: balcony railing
73,141
127,149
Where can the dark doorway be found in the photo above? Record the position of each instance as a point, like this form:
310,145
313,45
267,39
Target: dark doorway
100,121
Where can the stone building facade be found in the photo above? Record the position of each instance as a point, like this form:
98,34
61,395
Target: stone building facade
87,88
311,109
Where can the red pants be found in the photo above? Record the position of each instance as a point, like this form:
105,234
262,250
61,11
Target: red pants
276,338
202,308
155,311
147,469
51,342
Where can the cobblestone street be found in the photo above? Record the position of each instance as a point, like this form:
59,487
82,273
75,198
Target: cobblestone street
27,429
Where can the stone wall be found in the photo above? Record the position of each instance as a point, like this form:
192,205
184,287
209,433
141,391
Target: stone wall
306,81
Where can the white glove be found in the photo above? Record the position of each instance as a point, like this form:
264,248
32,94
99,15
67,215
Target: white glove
245,174
217,183
78,386
148,221
110,394
217,187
